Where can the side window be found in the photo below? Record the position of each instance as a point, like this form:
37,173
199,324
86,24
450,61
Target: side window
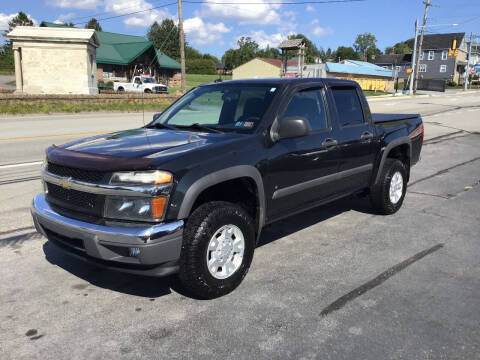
309,105
138,81
348,106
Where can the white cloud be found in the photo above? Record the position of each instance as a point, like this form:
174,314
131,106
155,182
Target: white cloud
310,8
64,18
314,21
75,4
5,19
259,12
201,33
143,19
263,39
321,31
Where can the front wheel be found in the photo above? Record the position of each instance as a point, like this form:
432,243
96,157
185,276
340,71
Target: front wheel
217,249
388,193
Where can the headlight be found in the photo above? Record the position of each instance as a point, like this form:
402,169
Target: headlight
134,208
141,178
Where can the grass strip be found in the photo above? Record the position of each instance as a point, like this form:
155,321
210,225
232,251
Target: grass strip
19,108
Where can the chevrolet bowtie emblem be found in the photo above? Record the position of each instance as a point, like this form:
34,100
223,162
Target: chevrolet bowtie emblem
66,183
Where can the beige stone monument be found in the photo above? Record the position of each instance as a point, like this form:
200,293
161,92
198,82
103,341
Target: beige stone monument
55,60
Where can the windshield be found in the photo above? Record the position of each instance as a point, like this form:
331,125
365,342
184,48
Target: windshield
148,80
223,107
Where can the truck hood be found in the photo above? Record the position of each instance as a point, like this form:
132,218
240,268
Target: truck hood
151,143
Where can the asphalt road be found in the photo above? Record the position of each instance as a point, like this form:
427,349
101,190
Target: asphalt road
337,282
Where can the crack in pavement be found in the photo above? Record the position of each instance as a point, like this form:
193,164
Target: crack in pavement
443,171
378,280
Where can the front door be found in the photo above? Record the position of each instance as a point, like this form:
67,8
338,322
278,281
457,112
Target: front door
298,166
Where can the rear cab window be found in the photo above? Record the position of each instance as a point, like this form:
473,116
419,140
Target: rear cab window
349,108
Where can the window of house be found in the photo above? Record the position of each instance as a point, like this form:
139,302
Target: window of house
348,106
398,68
443,68
309,105
422,55
423,67
444,54
431,55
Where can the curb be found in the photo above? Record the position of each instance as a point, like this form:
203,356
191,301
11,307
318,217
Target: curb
391,97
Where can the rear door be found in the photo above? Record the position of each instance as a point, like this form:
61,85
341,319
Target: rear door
297,166
356,137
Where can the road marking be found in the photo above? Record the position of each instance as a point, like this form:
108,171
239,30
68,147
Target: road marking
52,136
8,166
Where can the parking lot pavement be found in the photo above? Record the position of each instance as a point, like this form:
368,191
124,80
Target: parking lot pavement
337,282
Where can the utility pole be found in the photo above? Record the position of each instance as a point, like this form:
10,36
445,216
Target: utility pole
414,60
467,67
417,65
182,43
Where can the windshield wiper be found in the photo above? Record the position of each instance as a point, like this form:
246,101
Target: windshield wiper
201,127
161,126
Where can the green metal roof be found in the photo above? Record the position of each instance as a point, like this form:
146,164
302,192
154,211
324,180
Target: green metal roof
120,49
167,62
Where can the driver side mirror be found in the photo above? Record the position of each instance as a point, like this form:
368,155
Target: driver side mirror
292,127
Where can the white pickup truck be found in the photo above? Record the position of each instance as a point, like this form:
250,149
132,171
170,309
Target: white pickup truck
145,84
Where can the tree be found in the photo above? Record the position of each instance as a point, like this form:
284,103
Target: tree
93,24
311,51
270,53
343,53
6,52
247,49
403,47
201,66
166,38
366,46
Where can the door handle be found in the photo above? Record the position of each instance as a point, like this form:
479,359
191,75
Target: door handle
329,143
366,136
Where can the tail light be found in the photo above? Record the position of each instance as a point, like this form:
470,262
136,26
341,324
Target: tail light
418,131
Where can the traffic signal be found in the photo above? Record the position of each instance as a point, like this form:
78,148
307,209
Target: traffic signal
454,44
455,53
450,52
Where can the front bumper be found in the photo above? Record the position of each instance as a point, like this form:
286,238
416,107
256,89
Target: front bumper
156,248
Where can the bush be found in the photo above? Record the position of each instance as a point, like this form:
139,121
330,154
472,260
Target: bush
201,66
451,83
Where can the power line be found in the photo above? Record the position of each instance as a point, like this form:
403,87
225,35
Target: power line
313,2
107,12
131,13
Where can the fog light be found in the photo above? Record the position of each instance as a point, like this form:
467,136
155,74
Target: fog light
133,252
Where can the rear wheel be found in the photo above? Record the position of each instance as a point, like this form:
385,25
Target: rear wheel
148,91
121,89
217,249
388,193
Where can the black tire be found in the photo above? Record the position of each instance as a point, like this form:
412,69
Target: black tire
120,89
380,192
148,91
200,227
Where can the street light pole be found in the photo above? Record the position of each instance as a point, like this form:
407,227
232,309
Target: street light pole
414,60
467,67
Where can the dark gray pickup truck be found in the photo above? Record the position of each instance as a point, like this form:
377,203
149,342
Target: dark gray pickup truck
190,192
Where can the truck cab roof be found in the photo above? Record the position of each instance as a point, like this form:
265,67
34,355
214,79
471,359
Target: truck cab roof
289,81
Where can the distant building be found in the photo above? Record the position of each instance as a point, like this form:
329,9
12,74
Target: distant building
120,57
54,60
434,60
395,62
369,76
258,68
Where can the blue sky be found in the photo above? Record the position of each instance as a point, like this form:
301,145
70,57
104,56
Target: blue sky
214,28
